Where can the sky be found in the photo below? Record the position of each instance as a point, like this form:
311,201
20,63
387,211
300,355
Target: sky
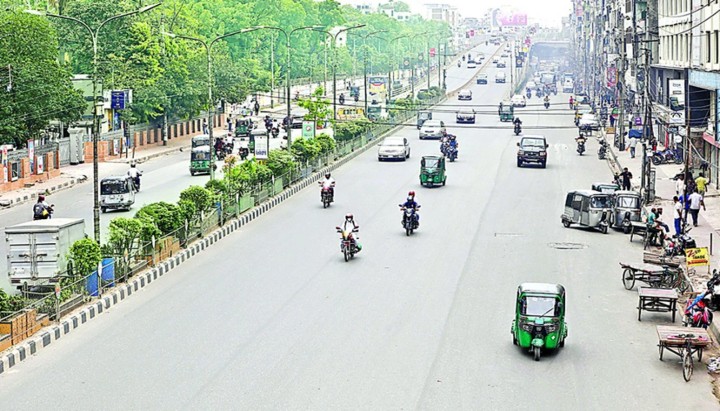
545,12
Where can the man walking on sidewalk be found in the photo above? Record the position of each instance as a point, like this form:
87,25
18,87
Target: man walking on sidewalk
257,108
677,214
633,143
701,183
696,200
626,179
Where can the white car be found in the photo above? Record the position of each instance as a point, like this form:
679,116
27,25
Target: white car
531,85
471,65
432,129
518,100
589,121
393,148
465,94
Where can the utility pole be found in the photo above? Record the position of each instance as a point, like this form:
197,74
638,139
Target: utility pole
645,174
686,140
620,126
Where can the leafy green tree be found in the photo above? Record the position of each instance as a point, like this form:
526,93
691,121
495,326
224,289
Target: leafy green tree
200,197
305,150
165,216
85,255
317,106
34,88
327,143
280,162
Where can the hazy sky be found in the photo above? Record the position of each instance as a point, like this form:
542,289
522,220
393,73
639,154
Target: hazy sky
545,12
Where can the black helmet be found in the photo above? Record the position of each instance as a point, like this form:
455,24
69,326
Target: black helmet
348,217
327,175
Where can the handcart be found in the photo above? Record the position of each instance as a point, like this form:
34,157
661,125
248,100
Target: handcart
683,342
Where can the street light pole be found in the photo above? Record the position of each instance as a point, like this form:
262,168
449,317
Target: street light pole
211,104
390,73
96,119
365,83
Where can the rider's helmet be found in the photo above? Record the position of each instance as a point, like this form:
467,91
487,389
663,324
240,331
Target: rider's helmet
132,164
452,137
327,175
41,198
348,217
411,194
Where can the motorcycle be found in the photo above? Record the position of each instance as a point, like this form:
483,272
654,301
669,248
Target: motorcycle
356,98
697,312
409,221
528,93
666,156
451,153
276,131
676,245
327,195
342,100
220,153
459,64
580,147
547,105
602,151
348,245
518,129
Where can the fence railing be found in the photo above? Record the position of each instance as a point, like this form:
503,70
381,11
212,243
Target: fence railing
78,288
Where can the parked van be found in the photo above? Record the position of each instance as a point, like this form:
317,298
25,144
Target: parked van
500,77
568,86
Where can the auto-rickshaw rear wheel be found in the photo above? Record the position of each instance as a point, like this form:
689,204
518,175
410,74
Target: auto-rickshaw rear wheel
566,223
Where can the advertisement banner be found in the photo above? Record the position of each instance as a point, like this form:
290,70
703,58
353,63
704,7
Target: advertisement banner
262,147
346,113
308,129
513,19
377,85
696,257
611,77
677,90
31,154
40,165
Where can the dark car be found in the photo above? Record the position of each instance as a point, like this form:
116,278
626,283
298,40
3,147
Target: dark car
532,149
500,64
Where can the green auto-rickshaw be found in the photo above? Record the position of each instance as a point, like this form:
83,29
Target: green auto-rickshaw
243,127
201,140
200,160
432,171
506,112
539,317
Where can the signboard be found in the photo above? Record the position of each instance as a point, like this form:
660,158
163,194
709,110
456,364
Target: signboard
308,129
695,257
262,147
432,52
117,100
377,85
677,90
346,113
406,63
40,168
513,19
31,154
611,77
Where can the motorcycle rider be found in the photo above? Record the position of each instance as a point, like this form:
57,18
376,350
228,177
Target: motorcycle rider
134,174
349,225
580,139
328,182
571,102
546,100
452,143
41,209
518,125
342,98
412,204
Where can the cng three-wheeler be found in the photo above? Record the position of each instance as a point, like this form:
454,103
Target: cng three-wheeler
539,322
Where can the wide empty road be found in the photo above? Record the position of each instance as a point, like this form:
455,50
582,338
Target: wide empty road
273,318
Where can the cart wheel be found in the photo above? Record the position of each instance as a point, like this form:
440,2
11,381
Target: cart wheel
699,354
687,365
661,348
683,285
536,353
628,278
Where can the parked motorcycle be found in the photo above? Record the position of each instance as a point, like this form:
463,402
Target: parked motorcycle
348,245
666,156
518,129
409,221
697,312
602,151
676,245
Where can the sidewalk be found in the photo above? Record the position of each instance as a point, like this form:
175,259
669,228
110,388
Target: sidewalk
706,234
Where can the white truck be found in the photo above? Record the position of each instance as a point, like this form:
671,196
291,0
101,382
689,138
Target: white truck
37,251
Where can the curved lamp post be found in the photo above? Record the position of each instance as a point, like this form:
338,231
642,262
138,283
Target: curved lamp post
96,126
390,44
365,83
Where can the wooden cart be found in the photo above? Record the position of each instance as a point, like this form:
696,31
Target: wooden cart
661,259
683,342
659,300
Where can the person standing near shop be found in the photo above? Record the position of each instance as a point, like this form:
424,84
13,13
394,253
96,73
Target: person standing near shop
696,201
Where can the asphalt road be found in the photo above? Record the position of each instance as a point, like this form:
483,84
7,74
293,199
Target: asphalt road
275,319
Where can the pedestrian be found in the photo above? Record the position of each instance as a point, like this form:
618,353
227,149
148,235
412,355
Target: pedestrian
205,126
257,108
633,143
626,179
696,201
677,215
680,185
701,183
229,122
